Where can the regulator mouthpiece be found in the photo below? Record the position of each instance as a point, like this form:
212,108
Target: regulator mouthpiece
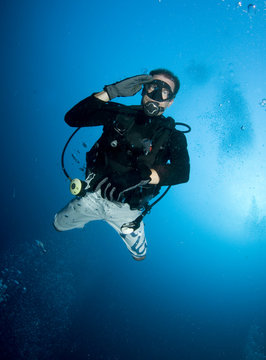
152,108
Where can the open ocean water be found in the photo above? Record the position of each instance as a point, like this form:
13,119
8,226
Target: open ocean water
201,292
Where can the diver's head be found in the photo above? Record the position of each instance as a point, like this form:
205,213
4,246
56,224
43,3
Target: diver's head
159,93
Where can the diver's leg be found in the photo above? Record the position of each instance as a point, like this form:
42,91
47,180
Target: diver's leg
119,214
79,212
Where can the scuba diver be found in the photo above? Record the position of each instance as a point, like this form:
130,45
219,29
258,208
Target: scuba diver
138,152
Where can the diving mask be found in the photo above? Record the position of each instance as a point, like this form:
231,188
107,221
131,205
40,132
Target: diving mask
158,90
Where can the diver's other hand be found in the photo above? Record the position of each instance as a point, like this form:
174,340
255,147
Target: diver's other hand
127,87
118,185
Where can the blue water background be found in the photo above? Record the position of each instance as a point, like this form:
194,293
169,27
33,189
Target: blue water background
200,294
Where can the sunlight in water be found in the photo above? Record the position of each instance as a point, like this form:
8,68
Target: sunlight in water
247,186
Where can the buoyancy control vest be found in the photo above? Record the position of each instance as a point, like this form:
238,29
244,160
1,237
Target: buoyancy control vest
130,140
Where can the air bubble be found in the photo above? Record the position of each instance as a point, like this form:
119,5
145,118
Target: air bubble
252,9
263,103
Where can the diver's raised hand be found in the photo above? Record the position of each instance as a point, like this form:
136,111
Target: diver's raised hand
127,87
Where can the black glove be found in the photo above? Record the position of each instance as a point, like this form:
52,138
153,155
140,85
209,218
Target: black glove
127,87
116,185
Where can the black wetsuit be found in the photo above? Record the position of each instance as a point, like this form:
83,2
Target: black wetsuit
129,141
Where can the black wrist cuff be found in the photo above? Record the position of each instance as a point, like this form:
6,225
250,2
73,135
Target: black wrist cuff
110,91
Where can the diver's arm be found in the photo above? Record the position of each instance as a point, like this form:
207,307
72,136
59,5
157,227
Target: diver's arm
177,171
91,111
86,113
